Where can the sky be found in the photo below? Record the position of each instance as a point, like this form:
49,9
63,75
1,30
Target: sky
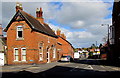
79,20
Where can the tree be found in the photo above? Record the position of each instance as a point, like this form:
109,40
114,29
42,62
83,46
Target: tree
93,46
100,45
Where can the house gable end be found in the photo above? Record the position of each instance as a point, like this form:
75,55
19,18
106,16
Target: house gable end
32,22
17,17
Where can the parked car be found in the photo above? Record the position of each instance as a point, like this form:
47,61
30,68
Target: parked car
66,58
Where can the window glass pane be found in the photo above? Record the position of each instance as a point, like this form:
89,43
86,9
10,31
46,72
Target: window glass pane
41,51
16,51
16,58
23,57
23,51
24,54
41,55
41,58
19,33
54,51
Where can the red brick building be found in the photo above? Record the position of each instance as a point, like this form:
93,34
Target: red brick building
65,46
114,54
31,40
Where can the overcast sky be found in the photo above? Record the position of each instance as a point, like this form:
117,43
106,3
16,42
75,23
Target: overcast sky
79,21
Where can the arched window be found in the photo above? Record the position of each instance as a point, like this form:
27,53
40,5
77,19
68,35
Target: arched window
41,51
54,51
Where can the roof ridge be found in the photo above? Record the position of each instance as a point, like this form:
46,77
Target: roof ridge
40,27
34,24
28,14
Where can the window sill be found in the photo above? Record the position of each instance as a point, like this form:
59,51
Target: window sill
40,60
20,39
15,61
19,61
23,61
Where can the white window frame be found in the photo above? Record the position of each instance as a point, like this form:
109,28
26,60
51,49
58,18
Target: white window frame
15,54
54,52
19,30
41,51
23,54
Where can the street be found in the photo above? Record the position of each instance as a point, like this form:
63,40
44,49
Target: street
82,69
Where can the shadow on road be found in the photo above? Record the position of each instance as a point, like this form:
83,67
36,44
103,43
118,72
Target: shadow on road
95,62
63,72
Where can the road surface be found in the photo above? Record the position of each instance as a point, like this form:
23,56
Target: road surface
89,68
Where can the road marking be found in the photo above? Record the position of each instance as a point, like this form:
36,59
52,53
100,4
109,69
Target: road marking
33,68
115,68
88,67
63,63
103,70
74,69
102,66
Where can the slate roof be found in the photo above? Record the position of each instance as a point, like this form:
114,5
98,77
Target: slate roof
33,23
66,41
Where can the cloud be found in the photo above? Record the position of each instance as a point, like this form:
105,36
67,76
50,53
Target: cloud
71,17
81,15
88,16
57,0
0,12
78,38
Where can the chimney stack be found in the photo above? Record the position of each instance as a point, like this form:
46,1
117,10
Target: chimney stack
58,32
39,15
63,36
18,6
37,12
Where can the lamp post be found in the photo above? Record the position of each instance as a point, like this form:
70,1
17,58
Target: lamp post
108,33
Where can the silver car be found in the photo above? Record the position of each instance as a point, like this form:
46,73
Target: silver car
66,58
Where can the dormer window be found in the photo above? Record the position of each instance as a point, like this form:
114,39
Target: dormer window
19,32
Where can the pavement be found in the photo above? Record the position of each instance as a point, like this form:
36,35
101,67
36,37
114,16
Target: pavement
39,67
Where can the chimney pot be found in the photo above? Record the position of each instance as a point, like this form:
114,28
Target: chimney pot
20,5
37,10
39,15
17,4
40,9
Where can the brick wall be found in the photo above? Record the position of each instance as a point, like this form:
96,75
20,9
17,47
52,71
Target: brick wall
31,42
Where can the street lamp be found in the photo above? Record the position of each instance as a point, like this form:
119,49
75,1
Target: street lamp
108,33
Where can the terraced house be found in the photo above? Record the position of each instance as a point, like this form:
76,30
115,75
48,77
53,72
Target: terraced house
31,40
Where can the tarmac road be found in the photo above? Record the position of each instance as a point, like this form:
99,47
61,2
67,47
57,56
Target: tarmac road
88,68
